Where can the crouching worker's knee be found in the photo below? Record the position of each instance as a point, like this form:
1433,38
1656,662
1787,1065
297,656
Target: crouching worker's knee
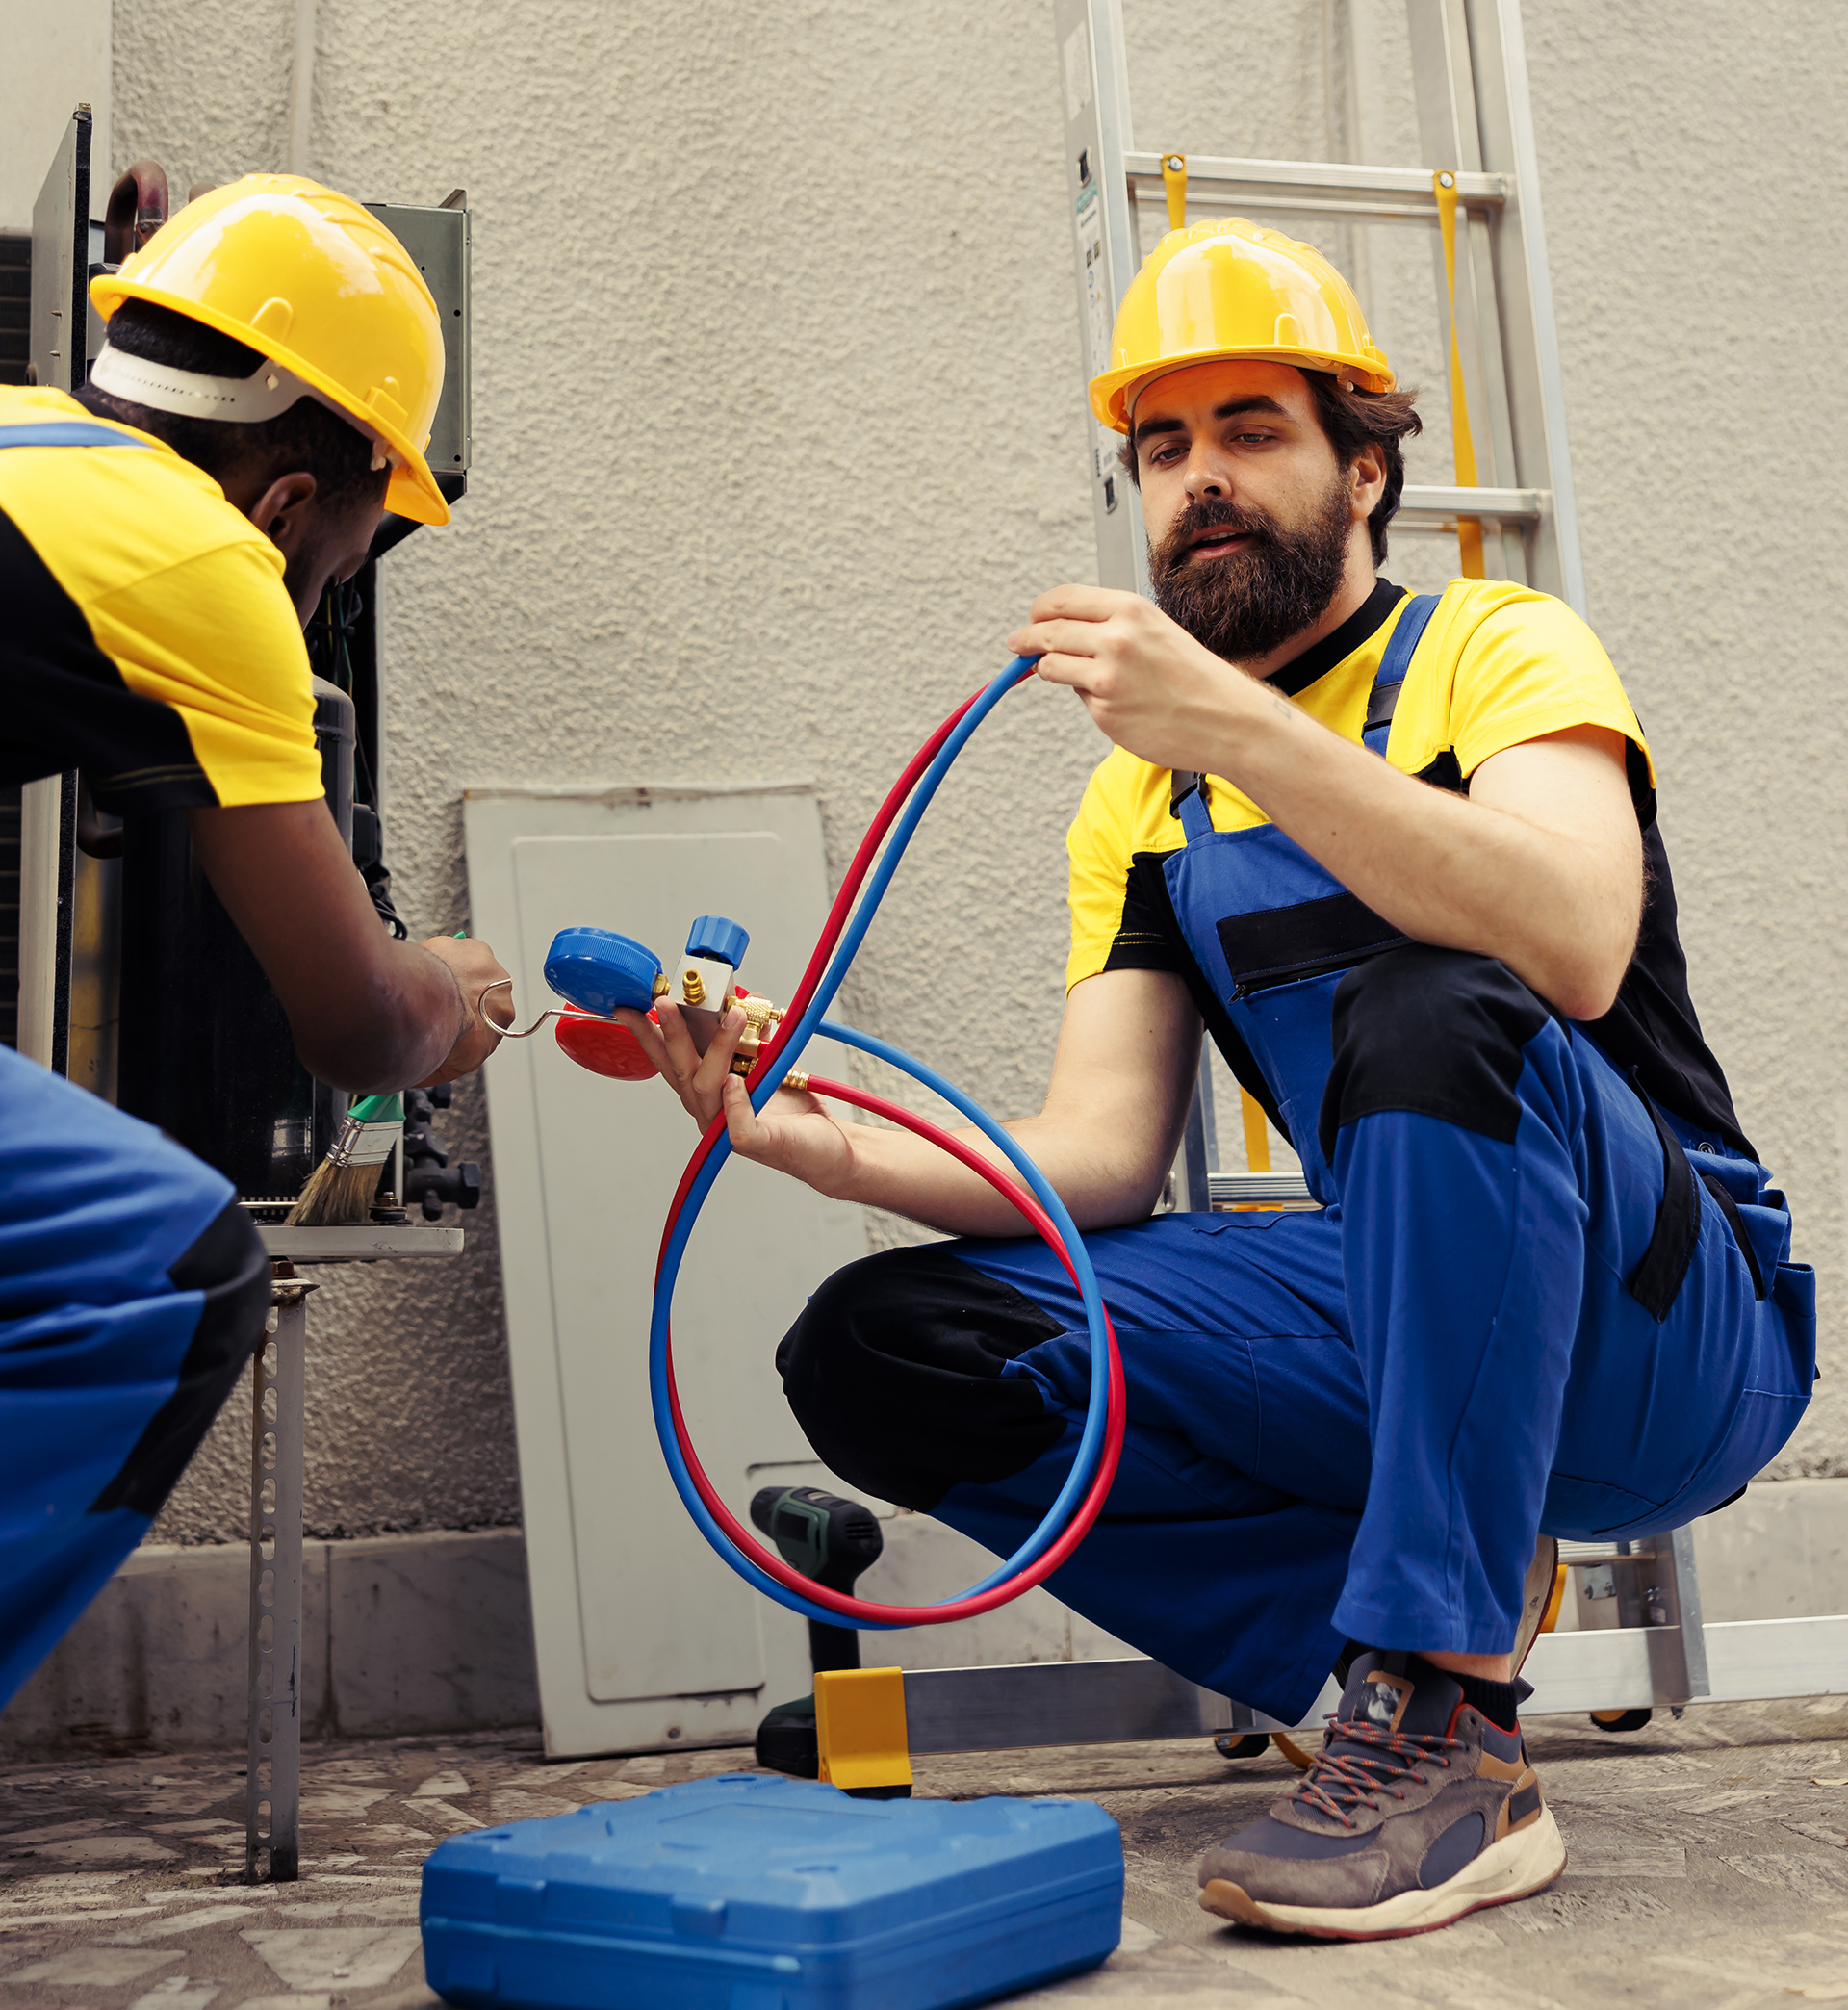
894,1372
227,1267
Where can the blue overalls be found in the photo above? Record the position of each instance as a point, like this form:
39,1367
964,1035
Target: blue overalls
1530,1301
132,1290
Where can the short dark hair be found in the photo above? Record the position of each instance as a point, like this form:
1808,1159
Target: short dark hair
1353,420
307,437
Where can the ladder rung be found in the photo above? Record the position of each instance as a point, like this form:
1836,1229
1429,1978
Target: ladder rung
1513,505
1315,185
1233,1189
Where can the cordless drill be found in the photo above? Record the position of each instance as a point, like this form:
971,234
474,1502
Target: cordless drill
830,1541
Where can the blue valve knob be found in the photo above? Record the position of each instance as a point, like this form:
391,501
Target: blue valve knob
713,936
597,970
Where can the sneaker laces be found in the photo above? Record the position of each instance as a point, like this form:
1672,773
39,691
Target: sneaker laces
1340,1777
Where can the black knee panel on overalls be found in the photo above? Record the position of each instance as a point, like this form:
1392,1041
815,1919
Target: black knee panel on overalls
227,1263
1438,1032
894,1371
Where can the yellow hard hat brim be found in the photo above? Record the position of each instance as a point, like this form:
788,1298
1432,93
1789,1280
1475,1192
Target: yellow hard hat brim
1115,391
412,491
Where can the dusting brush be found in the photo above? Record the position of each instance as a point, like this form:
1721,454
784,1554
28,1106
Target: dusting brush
341,1190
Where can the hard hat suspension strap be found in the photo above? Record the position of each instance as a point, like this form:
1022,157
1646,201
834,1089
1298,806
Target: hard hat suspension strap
268,392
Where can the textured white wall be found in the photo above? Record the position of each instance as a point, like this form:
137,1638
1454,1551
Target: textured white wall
57,59
777,431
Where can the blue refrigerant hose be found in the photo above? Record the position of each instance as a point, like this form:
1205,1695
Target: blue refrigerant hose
788,1051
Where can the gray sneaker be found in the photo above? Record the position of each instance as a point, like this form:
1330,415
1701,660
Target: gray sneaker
1415,1811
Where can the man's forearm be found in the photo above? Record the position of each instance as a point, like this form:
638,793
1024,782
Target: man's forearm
368,1013
398,1033
1557,907
907,1176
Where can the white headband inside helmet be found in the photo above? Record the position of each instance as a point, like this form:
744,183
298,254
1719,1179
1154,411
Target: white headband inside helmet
266,394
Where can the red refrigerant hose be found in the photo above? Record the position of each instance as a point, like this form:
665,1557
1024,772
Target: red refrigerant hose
1076,1530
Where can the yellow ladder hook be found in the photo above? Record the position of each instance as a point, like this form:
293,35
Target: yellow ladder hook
1175,181
1469,529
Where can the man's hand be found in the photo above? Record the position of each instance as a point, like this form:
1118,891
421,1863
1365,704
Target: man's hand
1145,680
795,1134
1129,1051
475,966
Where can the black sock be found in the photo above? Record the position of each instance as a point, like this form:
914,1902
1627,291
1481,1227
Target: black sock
1498,1701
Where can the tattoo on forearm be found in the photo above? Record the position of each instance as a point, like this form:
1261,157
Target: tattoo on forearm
1282,705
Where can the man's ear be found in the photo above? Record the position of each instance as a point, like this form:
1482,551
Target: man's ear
1369,472
281,508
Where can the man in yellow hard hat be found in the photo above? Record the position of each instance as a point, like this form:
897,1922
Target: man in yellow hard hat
1399,856
272,364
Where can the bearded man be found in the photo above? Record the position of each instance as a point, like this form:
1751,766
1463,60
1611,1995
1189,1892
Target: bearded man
1399,858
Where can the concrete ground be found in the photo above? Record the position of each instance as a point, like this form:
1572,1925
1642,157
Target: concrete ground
1708,1872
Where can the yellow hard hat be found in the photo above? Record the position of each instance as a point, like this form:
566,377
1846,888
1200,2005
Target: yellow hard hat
1232,288
316,283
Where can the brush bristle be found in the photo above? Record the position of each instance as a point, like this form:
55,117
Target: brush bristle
336,1196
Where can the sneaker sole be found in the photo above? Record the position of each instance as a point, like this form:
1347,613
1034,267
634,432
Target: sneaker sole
1515,1868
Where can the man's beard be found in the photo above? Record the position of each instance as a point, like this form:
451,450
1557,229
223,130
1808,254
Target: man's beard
1251,601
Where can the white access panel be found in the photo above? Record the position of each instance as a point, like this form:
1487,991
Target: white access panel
643,1638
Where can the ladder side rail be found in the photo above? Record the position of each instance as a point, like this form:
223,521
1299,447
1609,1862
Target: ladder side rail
1676,1552
1095,87
1504,115
1530,350
1476,238
1476,255
1445,91
1194,1163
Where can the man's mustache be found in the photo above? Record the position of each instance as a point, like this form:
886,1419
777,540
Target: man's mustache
1210,513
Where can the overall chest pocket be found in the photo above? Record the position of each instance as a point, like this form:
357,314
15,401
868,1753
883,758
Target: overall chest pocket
1277,945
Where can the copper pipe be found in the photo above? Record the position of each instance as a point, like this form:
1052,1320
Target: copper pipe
138,207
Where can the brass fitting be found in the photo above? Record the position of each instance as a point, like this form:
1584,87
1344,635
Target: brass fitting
693,988
760,1017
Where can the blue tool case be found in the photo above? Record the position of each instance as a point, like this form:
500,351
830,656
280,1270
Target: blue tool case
753,1892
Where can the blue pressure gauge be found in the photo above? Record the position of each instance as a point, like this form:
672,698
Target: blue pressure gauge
724,941
597,970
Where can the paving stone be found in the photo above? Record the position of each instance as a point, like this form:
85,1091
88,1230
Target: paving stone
334,1957
1708,1872
101,1967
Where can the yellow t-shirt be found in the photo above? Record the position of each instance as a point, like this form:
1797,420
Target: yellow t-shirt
148,638
1496,665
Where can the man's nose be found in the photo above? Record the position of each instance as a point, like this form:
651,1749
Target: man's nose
1205,475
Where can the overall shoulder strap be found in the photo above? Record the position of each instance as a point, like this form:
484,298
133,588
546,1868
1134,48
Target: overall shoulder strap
66,432
1187,801
1392,666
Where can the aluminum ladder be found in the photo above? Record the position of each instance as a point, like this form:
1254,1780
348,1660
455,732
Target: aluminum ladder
1512,508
